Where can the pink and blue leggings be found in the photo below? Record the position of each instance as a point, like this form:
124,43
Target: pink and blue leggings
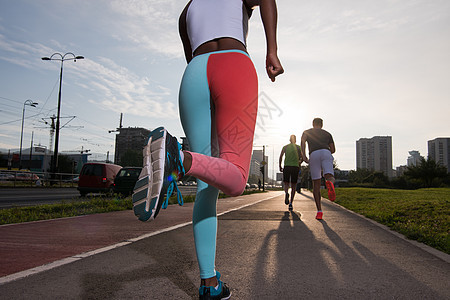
218,105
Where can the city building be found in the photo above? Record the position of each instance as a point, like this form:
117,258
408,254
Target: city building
414,158
256,162
255,167
38,159
375,154
400,170
439,151
129,139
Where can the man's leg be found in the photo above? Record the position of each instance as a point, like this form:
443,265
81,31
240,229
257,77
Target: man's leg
329,182
286,192
294,178
329,177
328,171
292,191
316,193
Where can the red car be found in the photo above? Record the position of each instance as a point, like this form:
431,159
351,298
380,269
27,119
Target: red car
97,178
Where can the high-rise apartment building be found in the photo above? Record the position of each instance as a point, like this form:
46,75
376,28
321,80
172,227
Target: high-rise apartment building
129,139
439,151
375,154
256,163
414,158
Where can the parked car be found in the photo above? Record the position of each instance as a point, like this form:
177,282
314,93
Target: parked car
6,176
97,178
26,176
72,179
126,179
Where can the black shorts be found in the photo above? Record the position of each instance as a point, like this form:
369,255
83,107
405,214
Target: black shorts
290,174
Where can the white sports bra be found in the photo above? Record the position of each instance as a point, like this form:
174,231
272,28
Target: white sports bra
211,19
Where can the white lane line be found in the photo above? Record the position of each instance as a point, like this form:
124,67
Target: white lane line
68,260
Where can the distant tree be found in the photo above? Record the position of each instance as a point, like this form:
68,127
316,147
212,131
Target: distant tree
305,177
253,179
131,158
3,160
360,175
428,173
65,164
369,178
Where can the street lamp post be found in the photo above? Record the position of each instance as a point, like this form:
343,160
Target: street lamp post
262,168
59,57
29,103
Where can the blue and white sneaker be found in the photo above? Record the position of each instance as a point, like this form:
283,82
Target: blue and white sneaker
159,175
210,292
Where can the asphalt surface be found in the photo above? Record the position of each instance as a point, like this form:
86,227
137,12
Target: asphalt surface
263,252
24,196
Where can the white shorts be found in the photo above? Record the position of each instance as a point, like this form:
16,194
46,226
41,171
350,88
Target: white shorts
320,160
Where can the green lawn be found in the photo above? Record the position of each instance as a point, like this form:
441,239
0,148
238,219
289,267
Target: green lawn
77,208
422,215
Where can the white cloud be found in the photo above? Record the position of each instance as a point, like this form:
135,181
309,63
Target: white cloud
118,89
367,67
150,25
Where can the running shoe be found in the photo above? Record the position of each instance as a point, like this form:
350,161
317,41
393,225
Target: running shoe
210,292
290,207
319,215
286,199
331,192
158,179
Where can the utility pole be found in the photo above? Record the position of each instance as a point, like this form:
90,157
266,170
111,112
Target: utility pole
62,58
31,150
262,168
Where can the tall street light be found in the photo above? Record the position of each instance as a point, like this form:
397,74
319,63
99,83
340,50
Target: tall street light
29,103
59,57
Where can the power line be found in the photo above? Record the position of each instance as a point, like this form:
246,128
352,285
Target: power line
18,120
17,101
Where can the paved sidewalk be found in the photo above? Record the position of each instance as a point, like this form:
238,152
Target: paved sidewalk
28,245
263,252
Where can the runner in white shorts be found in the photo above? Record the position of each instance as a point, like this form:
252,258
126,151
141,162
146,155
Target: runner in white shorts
321,147
320,160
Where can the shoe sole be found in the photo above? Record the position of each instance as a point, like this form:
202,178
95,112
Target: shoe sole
147,190
331,192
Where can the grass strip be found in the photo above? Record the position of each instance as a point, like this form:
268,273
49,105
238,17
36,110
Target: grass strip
63,210
74,208
422,215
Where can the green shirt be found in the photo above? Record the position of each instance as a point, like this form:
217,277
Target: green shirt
292,155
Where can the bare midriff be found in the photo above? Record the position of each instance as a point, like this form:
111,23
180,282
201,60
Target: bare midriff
218,45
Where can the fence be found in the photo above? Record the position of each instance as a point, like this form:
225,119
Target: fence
37,179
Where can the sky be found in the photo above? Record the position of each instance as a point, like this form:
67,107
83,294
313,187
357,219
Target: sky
367,68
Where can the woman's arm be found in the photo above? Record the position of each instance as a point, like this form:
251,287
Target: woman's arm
182,28
269,16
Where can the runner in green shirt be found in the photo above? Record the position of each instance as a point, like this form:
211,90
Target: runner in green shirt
292,161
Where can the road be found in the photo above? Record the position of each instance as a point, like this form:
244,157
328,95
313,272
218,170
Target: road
10,197
263,252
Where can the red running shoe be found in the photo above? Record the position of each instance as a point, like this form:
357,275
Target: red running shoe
331,192
319,215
